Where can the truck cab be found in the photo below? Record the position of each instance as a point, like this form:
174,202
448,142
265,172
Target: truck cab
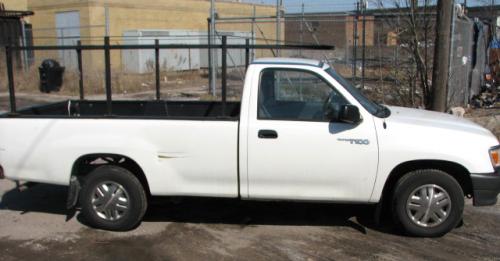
296,112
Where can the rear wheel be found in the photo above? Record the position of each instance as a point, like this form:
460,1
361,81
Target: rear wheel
428,203
112,198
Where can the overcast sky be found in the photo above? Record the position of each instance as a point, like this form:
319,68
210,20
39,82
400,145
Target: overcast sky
295,6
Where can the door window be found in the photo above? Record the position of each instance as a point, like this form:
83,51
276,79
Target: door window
287,94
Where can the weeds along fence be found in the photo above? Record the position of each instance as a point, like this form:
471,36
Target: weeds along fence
106,49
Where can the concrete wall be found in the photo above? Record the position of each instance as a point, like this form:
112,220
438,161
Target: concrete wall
17,5
125,15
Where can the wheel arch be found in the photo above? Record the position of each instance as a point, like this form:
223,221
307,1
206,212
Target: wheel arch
88,162
457,171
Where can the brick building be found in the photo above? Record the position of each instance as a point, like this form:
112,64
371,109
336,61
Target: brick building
15,28
337,28
328,28
63,22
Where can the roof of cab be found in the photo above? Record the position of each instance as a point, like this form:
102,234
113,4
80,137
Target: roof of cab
289,61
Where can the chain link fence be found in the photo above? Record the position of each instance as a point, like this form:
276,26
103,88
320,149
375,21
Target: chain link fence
371,51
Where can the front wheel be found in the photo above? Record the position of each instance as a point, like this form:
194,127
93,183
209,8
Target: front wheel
428,203
112,198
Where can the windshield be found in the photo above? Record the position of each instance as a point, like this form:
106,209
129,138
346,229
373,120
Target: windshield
370,106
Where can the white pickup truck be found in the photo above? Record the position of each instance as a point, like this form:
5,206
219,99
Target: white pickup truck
300,133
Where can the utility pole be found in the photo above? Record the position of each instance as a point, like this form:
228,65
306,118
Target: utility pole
440,73
278,25
212,67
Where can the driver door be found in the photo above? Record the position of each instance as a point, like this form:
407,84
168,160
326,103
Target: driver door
295,152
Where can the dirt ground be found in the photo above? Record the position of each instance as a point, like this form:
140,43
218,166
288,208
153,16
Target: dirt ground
35,225
488,118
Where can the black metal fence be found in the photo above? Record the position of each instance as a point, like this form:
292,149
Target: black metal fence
107,47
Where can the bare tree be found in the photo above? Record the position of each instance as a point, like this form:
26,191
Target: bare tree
413,21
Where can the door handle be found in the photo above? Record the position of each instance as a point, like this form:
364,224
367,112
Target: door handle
268,134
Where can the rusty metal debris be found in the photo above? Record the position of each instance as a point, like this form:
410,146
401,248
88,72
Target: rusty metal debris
489,96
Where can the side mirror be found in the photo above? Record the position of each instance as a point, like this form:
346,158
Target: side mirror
349,114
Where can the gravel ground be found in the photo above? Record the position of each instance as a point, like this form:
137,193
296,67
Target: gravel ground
488,118
35,224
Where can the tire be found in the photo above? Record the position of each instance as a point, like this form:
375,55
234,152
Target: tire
411,212
121,210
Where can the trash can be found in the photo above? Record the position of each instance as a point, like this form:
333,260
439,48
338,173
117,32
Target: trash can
51,76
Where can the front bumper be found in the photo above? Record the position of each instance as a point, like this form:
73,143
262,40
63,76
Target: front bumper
486,188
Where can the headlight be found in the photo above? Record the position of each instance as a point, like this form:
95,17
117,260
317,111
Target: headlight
495,156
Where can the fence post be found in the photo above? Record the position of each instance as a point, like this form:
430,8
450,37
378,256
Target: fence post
224,74
355,43
107,61
10,76
211,88
80,68
247,53
363,49
157,68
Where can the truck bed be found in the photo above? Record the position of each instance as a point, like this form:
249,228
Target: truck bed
134,109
